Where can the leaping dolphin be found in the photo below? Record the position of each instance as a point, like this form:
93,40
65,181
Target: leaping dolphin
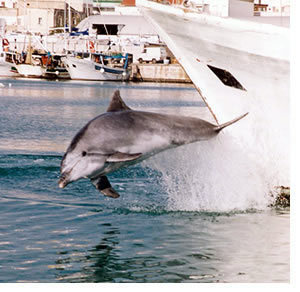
122,136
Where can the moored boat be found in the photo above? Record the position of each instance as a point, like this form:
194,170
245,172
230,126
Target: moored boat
29,65
99,67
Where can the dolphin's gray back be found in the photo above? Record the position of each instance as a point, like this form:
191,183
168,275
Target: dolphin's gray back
130,127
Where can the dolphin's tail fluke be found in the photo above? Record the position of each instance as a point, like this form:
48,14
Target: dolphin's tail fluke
221,127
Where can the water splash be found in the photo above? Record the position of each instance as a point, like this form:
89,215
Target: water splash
242,165
205,177
225,173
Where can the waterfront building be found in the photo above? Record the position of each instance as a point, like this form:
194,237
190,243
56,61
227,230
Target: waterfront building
222,8
234,8
272,7
8,14
40,16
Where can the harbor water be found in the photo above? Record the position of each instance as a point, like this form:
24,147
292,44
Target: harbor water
177,219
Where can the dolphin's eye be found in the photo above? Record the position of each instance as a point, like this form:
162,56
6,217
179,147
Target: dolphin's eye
83,153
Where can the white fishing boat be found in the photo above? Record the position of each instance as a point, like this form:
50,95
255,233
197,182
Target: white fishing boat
238,65
98,67
31,66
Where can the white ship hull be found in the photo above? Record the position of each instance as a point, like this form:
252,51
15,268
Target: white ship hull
86,69
257,55
27,70
5,69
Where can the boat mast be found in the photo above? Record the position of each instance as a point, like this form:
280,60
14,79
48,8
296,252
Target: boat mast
65,24
70,20
28,59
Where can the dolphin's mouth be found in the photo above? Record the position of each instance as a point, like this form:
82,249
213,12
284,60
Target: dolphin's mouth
63,181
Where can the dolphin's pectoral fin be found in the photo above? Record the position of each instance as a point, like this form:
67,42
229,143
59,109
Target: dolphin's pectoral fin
110,192
103,185
121,157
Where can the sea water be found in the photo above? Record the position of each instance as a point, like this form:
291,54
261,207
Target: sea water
180,217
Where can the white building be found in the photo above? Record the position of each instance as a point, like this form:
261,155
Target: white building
8,3
273,7
8,14
224,8
231,8
39,16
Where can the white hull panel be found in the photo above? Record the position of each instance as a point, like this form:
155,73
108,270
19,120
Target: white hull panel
28,70
5,70
252,156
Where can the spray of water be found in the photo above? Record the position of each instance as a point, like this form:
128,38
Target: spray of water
237,170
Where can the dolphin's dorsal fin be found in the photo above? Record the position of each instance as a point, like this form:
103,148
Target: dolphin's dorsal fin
117,103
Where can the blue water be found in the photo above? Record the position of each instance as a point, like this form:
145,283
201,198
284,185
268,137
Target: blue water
149,234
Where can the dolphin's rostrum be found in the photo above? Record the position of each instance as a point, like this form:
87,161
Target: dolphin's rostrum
123,136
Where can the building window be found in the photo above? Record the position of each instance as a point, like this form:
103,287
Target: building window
60,21
40,20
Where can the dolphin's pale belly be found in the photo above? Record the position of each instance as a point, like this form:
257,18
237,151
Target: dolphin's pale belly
147,146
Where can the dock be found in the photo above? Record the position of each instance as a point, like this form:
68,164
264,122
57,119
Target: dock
159,73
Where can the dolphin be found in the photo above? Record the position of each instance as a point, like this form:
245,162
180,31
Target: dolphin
123,136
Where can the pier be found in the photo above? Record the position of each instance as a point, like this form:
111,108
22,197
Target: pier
159,73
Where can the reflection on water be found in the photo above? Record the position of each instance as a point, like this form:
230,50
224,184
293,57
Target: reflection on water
147,235
99,263
224,257
44,116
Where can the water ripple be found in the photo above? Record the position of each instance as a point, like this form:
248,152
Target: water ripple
78,235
